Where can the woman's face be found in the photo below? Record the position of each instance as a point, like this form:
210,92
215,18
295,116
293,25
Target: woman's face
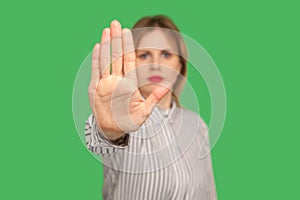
157,61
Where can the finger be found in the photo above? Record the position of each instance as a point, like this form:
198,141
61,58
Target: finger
95,63
116,45
105,53
156,95
129,54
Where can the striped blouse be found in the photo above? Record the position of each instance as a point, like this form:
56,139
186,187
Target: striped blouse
168,157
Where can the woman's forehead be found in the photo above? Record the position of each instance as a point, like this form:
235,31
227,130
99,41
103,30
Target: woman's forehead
157,39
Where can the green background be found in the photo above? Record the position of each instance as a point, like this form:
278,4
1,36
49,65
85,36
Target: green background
255,45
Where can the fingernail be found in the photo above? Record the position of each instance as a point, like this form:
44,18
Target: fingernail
115,23
163,89
106,31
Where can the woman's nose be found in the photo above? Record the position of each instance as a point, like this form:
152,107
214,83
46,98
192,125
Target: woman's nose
155,63
155,66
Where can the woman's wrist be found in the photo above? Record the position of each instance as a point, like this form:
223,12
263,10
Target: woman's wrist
121,141
118,139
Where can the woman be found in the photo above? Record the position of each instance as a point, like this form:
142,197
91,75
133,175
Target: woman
149,145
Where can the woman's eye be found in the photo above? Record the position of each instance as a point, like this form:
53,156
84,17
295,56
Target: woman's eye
143,56
166,54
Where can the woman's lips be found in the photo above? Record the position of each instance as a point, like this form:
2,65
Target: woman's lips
155,79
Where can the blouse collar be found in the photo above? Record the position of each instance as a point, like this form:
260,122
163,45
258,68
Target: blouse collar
159,115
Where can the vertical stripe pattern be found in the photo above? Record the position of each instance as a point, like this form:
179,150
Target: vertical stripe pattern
160,161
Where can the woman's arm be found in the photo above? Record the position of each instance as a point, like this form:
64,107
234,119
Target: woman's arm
97,143
205,156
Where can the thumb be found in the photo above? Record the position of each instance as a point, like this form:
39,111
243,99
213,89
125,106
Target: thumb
156,95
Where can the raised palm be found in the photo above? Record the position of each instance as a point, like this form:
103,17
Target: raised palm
116,102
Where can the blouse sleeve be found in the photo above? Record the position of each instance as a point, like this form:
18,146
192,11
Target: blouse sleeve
205,155
97,143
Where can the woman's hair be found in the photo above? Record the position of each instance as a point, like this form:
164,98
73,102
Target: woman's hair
164,22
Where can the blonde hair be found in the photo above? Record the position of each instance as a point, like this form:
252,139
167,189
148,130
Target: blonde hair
164,22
